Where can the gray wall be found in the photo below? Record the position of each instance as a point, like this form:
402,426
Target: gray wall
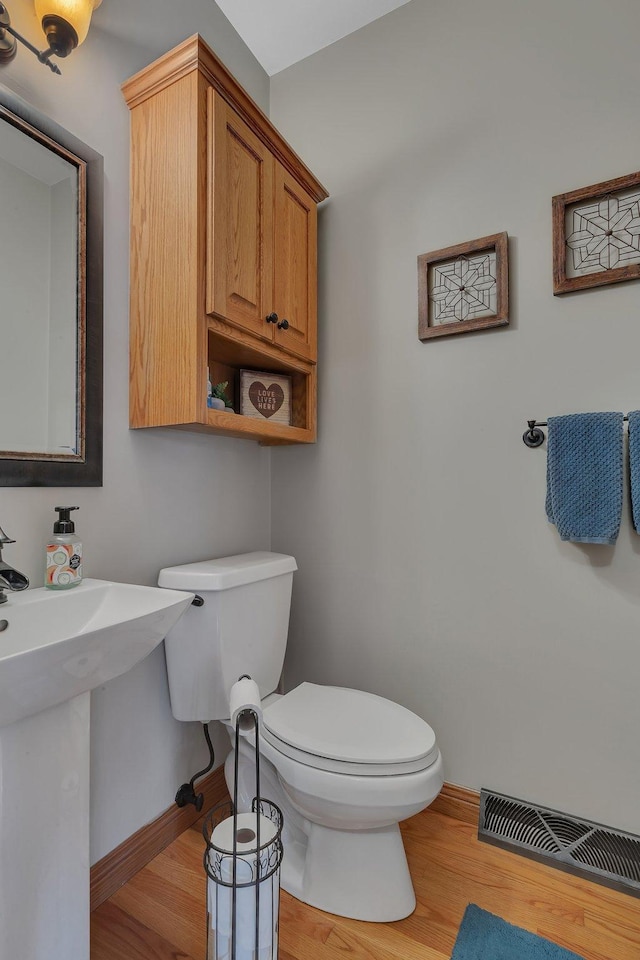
168,497
428,571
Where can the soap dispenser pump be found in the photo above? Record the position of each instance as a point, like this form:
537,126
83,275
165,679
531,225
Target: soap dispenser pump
64,553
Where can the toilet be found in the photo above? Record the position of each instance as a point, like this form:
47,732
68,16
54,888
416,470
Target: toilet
344,766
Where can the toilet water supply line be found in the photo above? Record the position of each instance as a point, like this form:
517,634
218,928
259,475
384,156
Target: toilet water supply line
186,793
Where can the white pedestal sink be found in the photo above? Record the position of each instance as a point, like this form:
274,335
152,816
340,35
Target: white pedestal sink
54,648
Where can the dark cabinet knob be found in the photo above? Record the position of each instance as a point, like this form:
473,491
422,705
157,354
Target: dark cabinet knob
272,318
283,325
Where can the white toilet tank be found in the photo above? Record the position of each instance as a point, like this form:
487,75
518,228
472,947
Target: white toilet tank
240,629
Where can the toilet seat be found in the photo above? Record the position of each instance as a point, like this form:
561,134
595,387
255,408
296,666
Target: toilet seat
348,731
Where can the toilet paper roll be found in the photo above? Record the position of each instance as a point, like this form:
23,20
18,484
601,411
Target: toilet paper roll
220,914
246,835
244,695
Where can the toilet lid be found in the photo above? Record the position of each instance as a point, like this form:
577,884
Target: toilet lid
351,727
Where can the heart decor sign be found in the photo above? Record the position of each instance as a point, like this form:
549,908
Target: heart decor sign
265,396
266,400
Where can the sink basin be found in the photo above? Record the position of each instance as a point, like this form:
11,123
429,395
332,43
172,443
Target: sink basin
55,645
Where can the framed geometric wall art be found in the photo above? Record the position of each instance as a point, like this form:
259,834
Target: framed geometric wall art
464,287
596,235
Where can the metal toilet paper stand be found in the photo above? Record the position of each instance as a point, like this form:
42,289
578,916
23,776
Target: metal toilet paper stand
242,860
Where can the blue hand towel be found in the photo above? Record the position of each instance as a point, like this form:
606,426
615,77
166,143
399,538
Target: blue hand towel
634,465
584,476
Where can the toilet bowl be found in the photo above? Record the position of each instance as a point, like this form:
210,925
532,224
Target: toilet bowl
344,765
343,847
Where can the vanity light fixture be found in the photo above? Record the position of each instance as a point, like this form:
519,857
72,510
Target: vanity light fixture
65,24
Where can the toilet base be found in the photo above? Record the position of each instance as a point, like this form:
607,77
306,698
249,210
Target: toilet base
362,874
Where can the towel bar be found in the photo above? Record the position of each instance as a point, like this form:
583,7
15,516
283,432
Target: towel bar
534,437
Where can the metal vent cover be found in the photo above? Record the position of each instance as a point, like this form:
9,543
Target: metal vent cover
579,846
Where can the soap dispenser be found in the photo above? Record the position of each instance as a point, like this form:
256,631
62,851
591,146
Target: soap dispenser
64,553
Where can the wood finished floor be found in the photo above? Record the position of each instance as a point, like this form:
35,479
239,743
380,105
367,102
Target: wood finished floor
160,913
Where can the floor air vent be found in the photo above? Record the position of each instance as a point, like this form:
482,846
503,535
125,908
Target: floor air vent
577,845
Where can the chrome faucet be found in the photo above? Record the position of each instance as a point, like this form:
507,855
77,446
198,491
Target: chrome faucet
10,579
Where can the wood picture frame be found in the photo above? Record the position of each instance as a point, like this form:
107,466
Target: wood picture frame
464,287
265,396
596,235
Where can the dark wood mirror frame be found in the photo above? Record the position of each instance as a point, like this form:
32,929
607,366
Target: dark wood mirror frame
85,470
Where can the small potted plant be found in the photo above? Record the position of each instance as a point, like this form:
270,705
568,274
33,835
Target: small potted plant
218,399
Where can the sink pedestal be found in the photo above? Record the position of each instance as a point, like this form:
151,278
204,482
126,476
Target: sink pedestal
44,834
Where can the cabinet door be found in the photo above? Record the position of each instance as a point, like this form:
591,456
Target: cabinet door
239,222
295,267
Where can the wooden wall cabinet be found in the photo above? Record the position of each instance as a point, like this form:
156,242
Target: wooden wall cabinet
261,256
223,250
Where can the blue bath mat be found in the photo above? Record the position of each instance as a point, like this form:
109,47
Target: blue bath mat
485,937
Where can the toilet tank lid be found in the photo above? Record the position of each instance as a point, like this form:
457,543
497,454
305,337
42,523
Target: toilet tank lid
226,572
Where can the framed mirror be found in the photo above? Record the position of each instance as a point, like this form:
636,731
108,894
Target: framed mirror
51,286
